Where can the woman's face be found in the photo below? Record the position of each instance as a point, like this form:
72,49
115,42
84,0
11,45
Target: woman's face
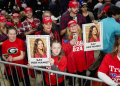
94,32
73,28
16,19
47,27
40,45
84,8
3,24
12,34
9,20
56,49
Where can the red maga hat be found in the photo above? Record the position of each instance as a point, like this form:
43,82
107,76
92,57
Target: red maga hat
15,15
28,9
71,22
47,20
105,9
2,18
73,4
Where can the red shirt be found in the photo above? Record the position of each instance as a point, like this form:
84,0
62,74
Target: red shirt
17,24
61,66
111,67
14,49
33,24
75,55
79,56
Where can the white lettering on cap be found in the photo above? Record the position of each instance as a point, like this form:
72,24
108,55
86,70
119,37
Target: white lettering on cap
70,22
47,18
2,18
28,8
15,14
74,3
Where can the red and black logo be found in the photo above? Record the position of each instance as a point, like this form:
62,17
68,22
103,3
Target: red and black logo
12,50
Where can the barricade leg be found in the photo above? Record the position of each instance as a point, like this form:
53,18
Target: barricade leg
25,79
2,77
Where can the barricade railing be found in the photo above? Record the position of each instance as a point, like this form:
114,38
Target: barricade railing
45,70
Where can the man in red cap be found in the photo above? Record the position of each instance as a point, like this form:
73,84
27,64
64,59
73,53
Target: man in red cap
72,15
100,10
30,25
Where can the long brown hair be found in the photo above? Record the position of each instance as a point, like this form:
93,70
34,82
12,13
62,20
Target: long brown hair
60,54
35,50
90,33
116,45
70,34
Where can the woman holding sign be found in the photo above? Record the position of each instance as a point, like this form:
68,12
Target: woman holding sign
39,49
13,50
109,70
93,34
78,59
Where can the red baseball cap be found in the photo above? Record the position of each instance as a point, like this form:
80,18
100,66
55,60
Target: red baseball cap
15,15
2,18
105,9
71,22
47,20
28,9
73,4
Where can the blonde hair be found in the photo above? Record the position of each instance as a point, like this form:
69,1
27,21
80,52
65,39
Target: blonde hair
70,34
21,14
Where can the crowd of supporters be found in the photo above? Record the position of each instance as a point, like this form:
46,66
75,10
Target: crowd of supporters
60,19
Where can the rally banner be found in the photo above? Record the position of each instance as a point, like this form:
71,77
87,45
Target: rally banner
38,49
93,36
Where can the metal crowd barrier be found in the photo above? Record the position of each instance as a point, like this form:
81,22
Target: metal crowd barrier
46,70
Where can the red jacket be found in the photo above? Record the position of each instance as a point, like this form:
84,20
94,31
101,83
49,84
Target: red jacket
61,66
71,65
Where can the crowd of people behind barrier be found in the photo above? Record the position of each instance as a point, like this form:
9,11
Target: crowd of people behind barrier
41,17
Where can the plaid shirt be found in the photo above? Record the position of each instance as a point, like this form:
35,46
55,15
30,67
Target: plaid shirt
26,26
66,18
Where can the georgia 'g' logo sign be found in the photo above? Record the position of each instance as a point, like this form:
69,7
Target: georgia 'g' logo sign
12,50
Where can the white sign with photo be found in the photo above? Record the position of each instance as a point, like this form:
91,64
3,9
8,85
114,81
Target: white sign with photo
38,49
93,36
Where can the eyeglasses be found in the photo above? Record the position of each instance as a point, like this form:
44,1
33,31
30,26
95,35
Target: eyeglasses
73,25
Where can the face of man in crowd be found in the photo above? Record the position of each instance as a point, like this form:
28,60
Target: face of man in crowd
117,16
74,9
107,2
47,14
29,14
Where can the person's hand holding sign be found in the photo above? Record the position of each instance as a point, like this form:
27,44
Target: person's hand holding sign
94,21
51,61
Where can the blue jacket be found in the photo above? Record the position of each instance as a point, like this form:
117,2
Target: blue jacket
110,29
